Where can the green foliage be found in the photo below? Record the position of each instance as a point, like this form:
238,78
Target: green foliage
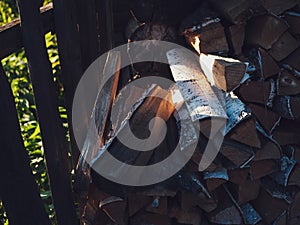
7,13
16,68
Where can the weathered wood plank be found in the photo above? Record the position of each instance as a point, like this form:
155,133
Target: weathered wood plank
53,136
18,190
105,25
11,37
65,18
88,31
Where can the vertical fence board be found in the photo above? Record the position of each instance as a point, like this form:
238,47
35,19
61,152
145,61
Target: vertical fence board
88,31
65,18
53,136
105,24
18,190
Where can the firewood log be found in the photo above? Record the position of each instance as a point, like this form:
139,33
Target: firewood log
269,150
293,60
235,11
115,209
149,218
224,73
269,207
158,205
236,153
286,133
266,117
269,65
288,84
293,19
278,7
257,92
245,133
226,212
287,106
284,46
136,202
246,191
238,176
265,30
295,177
262,168
236,38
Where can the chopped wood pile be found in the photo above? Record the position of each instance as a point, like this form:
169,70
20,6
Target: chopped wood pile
249,50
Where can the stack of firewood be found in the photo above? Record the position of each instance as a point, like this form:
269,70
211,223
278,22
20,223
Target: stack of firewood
250,51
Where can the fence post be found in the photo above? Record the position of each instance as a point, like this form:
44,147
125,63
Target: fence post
65,18
53,136
18,190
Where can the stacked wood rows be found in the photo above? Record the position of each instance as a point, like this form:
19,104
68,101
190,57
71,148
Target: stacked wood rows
255,179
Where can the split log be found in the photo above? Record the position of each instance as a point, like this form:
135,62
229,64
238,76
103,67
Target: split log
295,177
150,108
151,31
159,191
287,132
192,217
238,176
92,214
149,218
215,178
284,46
189,201
224,73
226,212
257,92
269,66
250,215
269,150
288,84
262,168
136,202
266,117
115,209
295,207
268,207
159,205
287,106
245,133
246,191
293,19
236,153
229,215
236,38
293,60
277,7
203,30
235,11
296,151
210,39
265,30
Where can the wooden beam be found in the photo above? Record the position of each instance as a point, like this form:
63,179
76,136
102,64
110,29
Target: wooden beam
18,189
53,135
87,25
11,37
65,17
105,24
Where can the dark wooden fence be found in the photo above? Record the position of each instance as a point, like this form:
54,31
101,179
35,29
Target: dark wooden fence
84,30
